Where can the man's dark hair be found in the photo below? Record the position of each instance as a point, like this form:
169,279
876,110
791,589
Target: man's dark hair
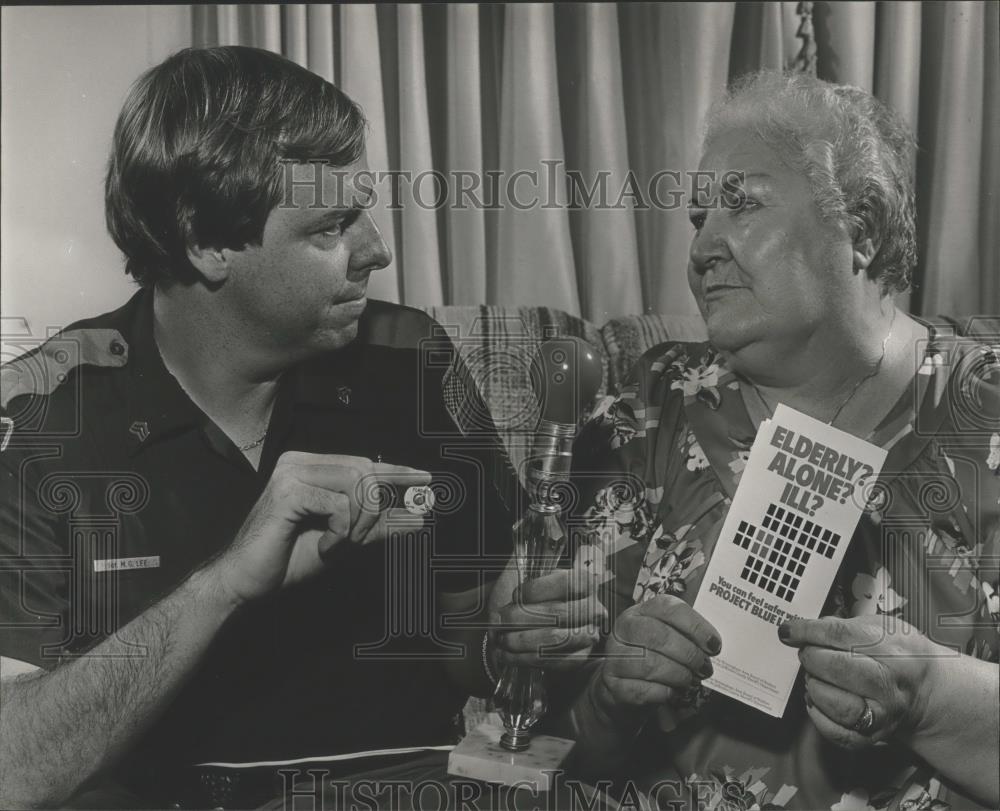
198,149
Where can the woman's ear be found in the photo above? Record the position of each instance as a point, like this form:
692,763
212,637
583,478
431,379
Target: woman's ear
863,254
211,263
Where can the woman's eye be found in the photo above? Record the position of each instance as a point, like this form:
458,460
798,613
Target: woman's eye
697,217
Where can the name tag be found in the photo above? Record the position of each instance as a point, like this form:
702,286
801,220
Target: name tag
122,564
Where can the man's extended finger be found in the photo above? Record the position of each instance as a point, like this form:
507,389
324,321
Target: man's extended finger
400,474
360,463
679,615
831,632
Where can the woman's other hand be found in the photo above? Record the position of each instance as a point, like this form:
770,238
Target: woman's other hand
658,649
868,679
552,622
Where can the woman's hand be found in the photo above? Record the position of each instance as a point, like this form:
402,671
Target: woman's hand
552,622
868,679
658,650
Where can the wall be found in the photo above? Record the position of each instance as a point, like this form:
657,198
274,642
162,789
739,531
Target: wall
65,72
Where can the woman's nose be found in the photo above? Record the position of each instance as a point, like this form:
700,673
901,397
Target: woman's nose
709,244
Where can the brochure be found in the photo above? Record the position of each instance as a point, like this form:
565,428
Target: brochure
797,506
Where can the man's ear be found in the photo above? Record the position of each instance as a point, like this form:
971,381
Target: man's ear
864,253
211,263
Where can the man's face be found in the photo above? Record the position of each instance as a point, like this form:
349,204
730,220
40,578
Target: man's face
303,288
770,269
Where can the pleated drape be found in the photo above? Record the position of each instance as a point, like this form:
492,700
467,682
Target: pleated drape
612,96
534,248
466,223
957,169
605,239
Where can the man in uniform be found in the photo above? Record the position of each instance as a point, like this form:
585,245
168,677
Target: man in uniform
196,565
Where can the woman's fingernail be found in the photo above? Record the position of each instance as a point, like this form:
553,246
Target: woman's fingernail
706,670
809,701
784,632
714,645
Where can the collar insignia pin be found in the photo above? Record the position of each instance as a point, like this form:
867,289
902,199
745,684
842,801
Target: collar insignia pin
140,430
344,394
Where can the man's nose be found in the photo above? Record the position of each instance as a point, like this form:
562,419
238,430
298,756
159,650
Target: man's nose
709,244
370,251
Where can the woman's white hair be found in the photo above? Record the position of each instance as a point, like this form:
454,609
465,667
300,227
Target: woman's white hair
857,153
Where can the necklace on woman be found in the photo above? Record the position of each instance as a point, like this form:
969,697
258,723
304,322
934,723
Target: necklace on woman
857,386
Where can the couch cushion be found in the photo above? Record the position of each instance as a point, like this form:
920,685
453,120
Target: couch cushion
628,337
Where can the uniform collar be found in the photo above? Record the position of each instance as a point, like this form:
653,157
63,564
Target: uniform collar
158,406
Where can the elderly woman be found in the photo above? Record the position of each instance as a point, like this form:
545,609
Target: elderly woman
794,270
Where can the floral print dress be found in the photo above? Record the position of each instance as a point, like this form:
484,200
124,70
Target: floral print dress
657,468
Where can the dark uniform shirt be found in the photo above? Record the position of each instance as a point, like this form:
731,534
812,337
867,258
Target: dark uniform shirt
116,486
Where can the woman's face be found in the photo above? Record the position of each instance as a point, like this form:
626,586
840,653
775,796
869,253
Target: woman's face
767,272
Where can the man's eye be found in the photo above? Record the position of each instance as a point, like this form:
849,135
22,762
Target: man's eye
342,224
697,217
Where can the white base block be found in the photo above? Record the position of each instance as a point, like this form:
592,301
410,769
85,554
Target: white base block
481,757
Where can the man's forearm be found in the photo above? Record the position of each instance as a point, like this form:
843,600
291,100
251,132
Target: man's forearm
59,728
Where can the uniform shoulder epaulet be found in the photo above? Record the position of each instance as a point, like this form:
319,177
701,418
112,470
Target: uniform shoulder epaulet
43,370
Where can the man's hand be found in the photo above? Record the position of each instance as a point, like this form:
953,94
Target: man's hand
311,503
658,649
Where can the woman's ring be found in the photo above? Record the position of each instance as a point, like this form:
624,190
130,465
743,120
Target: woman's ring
864,724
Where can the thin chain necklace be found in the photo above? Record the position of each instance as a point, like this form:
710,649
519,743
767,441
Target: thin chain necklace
258,441
869,376
242,448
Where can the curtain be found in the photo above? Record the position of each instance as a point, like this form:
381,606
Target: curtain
600,99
